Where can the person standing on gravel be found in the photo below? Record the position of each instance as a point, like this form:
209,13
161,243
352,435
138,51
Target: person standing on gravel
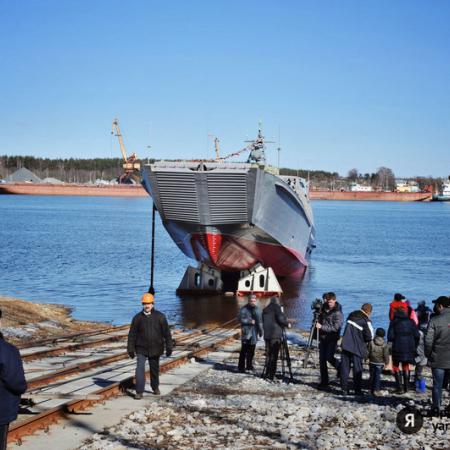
437,348
329,325
274,322
149,333
378,359
12,386
250,318
357,334
405,337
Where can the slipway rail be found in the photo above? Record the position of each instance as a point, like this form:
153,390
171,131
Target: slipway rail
73,336
90,377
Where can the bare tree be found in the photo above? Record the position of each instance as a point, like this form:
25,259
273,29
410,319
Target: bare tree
352,174
385,179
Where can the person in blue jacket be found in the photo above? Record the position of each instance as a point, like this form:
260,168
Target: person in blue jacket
12,386
357,334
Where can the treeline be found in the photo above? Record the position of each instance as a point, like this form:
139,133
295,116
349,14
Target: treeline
383,179
69,170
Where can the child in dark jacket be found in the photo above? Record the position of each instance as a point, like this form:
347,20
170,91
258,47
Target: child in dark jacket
378,358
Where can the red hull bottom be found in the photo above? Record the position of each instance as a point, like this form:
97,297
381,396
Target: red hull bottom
234,253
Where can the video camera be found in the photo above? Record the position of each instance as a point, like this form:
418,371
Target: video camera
317,304
316,307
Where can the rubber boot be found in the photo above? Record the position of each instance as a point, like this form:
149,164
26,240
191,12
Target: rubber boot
398,383
406,380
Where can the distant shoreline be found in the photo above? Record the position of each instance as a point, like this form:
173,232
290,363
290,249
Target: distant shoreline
138,191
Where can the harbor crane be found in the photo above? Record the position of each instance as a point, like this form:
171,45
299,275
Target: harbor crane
216,146
131,164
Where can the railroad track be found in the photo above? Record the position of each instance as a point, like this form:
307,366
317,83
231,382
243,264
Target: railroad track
69,374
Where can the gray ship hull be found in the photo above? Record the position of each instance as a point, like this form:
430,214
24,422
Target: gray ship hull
233,216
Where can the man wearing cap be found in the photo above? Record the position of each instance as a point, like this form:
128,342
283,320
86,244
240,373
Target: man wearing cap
250,318
12,386
148,334
437,348
358,332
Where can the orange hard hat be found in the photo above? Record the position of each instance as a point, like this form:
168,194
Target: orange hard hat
147,298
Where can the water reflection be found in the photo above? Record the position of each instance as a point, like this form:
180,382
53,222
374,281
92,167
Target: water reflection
198,311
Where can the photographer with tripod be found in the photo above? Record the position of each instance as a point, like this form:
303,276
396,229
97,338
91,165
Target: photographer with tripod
329,324
274,322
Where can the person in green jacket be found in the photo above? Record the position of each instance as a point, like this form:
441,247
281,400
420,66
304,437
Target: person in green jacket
378,358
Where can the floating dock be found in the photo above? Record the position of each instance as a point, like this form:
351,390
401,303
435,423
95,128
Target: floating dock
371,196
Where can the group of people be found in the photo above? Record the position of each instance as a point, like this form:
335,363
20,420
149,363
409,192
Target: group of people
415,337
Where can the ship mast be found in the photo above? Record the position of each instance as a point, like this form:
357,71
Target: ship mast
258,147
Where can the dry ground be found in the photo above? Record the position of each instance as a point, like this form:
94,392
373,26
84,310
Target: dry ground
24,321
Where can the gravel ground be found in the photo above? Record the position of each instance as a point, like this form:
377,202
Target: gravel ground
223,409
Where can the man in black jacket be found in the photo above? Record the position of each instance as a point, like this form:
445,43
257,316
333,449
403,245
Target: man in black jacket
357,334
329,326
149,332
12,386
274,321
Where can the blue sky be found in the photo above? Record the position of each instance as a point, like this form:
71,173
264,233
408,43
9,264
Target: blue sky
346,83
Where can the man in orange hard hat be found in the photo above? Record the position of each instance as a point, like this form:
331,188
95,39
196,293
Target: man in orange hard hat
149,333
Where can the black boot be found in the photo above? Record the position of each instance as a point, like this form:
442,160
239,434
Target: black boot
398,383
406,380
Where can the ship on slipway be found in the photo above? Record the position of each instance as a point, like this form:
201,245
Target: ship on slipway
239,218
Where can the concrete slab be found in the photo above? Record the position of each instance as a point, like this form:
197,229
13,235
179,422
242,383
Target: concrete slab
69,434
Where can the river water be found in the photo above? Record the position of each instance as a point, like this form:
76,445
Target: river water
93,254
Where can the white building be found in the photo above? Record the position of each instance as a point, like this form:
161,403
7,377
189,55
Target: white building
356,187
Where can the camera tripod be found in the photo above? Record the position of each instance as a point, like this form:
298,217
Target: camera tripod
313,331
285,359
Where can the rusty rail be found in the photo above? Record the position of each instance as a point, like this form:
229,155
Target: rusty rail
72,336
44,419
71,347
52,377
